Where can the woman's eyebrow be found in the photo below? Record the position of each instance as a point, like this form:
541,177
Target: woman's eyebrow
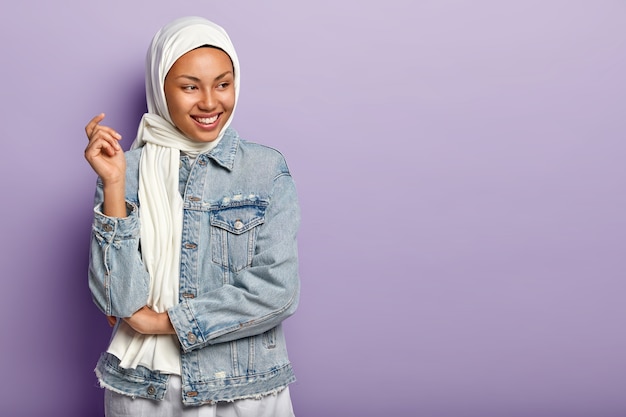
196,79
189,77
219,77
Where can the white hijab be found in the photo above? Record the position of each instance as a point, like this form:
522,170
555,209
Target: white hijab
161,206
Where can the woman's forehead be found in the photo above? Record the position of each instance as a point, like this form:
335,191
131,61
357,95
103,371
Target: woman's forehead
203,60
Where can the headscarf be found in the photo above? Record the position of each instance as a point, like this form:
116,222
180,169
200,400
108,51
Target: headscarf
160,202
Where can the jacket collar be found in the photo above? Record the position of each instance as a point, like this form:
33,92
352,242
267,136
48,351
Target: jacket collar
226,150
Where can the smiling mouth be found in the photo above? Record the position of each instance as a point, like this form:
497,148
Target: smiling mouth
206,120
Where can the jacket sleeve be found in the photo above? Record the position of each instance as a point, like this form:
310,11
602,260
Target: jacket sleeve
263,295
118,280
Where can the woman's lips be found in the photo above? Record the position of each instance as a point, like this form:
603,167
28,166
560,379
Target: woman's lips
207,122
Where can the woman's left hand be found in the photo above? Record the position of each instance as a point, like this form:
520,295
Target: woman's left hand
148,321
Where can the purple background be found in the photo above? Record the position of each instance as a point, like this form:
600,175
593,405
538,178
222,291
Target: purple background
461,173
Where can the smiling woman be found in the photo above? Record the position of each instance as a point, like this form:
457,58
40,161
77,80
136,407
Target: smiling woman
193,250
200,93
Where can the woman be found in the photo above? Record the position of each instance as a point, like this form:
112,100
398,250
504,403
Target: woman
193,253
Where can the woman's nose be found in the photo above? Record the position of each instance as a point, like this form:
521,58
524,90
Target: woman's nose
207,101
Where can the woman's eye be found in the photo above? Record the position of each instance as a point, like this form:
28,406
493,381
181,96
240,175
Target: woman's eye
189,87
223,85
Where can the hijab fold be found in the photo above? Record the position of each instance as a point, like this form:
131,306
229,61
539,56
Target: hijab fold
160,202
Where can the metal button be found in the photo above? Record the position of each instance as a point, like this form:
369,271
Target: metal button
190,246
238,225
194,198
151,390
107,227
191,337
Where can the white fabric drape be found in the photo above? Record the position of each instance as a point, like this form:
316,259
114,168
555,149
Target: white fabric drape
161,206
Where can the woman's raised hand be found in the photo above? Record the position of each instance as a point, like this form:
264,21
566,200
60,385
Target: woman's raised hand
106,157
104,153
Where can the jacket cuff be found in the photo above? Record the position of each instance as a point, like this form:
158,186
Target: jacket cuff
117,227
186,326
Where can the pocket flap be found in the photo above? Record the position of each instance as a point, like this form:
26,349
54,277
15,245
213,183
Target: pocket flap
238,215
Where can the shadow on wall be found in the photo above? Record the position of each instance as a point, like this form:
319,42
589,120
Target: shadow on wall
87,331
78,331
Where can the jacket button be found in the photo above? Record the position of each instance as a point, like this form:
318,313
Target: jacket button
107,227
191,337
151,390
238,225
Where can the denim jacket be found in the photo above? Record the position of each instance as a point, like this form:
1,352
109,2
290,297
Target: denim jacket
238,274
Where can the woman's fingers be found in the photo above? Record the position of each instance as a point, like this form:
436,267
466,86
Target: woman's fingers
103,152
103,131
93,128
101,146
100,137
89,129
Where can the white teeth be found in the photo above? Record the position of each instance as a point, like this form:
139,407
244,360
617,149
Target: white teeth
206,120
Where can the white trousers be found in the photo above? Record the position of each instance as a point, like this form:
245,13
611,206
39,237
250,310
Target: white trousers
118,405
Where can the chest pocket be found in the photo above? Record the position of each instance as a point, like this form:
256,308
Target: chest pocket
234,228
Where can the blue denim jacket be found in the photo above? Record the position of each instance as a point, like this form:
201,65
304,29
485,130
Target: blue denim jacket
238,274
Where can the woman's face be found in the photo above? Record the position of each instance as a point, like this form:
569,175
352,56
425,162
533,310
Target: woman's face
200,93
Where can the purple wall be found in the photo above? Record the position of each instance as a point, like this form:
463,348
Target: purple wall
461,172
